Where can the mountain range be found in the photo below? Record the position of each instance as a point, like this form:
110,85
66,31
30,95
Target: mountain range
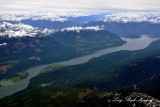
114,79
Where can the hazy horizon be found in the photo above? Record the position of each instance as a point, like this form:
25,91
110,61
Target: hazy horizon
94,5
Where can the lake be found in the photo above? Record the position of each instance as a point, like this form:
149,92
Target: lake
131,44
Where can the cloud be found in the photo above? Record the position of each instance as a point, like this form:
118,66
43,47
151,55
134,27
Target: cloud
39,5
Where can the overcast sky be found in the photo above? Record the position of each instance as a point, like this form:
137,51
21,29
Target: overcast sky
38,5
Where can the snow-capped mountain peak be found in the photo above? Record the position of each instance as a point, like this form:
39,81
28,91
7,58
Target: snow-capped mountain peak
152,17
32,16
79,28
21,30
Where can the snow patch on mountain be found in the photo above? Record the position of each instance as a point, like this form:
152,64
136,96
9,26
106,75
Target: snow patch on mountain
152,17
21,30
61,15
3,44
79,28
35,16
52,16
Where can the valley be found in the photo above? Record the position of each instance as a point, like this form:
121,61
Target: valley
62,45
92,60
132,44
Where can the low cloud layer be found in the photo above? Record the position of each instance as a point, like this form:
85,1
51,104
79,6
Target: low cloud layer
44,5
